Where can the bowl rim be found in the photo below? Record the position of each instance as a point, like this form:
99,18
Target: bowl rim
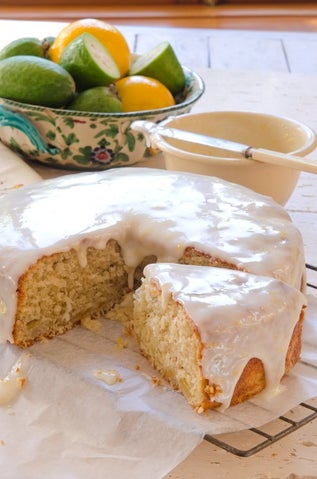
163,144
113,115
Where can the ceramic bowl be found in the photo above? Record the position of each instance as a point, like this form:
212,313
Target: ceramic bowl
85,141
253,129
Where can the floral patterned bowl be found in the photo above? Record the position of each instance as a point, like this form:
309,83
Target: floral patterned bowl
85,141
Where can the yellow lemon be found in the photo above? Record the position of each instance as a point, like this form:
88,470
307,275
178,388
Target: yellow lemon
106,33
138,92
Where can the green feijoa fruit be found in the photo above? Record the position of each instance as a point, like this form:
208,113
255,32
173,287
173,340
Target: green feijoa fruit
97,99
89,62
162,64
23,46
35,80
47,42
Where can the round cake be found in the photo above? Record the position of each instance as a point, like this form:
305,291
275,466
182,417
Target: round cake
72,247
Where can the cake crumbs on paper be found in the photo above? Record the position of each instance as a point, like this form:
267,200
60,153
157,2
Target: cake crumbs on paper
128,330
122,343
199,410
108,376
92,324
156,381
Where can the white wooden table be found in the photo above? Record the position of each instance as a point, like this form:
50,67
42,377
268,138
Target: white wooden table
273,72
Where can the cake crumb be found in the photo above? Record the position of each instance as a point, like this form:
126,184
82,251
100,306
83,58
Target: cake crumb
128,331
108,376
199,410
1,442
156,381
91,324
122,343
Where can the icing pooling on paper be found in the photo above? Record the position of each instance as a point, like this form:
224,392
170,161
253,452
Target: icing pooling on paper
12,384
148,212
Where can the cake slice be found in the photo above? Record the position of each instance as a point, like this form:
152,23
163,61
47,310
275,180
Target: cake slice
217,335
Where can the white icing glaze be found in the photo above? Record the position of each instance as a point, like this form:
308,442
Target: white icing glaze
239,316
11,385
147,211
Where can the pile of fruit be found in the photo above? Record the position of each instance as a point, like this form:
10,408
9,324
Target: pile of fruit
88,66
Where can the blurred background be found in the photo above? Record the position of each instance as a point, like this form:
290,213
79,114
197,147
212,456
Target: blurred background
288,15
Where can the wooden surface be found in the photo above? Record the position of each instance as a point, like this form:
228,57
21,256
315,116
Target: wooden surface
234,49
246,50
293,16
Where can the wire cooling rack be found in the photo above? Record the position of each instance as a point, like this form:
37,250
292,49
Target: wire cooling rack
251,441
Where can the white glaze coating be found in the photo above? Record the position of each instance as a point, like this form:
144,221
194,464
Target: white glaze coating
147,211
11,385
239,316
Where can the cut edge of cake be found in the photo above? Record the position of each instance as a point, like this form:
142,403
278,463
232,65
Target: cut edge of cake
171,336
